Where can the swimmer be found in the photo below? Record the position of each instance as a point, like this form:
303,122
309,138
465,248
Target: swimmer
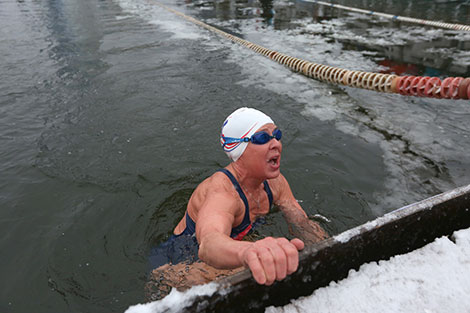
222,209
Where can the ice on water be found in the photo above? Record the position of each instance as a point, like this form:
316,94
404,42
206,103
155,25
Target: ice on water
435,278
165,20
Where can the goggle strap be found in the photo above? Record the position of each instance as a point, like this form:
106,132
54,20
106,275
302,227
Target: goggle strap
232,140
277,134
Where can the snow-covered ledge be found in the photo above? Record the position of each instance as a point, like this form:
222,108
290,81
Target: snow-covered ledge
323,264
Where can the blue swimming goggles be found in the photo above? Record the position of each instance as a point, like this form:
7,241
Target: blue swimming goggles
259,138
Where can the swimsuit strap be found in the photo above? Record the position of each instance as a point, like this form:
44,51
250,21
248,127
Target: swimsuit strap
190,226
269,192
246,219
245,226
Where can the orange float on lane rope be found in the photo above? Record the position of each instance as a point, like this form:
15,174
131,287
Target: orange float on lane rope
450,88
432,88
464,87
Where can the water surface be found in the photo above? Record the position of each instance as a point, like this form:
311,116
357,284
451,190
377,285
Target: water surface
110,113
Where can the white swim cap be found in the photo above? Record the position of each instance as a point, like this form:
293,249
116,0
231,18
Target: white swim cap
242,123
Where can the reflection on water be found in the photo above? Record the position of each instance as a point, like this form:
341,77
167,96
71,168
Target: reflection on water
433,51
448,11
110,110
169,213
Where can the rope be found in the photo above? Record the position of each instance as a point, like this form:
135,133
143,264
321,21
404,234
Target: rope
432,87
395,17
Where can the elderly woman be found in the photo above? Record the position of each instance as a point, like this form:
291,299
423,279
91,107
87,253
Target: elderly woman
222,209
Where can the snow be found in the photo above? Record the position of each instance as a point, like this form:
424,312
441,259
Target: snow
435,278
432,279
175,301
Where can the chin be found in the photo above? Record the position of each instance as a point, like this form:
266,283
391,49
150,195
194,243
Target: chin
273,174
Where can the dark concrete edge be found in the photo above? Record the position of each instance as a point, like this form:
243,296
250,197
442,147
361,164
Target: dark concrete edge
397,232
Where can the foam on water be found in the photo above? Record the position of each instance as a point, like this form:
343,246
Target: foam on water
169,22
411,154
410,150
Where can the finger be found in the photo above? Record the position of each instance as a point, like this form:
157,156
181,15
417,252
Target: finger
267,262
299,244
253,263
280,260
292,256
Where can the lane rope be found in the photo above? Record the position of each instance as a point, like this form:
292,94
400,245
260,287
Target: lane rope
431,87
395,17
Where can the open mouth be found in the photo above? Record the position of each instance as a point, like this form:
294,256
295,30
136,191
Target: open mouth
274,160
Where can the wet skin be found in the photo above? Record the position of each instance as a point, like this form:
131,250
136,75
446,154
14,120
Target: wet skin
216,208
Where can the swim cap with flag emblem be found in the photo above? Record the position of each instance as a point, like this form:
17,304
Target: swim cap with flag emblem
242,123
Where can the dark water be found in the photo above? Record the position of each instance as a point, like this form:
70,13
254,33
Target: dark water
110,113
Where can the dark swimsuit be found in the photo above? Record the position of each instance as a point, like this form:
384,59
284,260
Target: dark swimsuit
184,247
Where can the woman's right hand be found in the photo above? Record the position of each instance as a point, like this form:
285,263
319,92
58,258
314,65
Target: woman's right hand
271,258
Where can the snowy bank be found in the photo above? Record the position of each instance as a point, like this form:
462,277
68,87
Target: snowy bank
435,278
397,238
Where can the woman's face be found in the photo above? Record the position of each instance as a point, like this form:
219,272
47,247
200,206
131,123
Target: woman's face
264,161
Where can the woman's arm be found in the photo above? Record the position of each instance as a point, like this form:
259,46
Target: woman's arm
299,224
213,228
301,227
268,259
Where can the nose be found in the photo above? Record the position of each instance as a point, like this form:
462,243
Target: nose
275,144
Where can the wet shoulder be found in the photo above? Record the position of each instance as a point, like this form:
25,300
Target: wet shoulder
216,183
277,185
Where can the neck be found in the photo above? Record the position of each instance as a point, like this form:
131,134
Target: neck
244,177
